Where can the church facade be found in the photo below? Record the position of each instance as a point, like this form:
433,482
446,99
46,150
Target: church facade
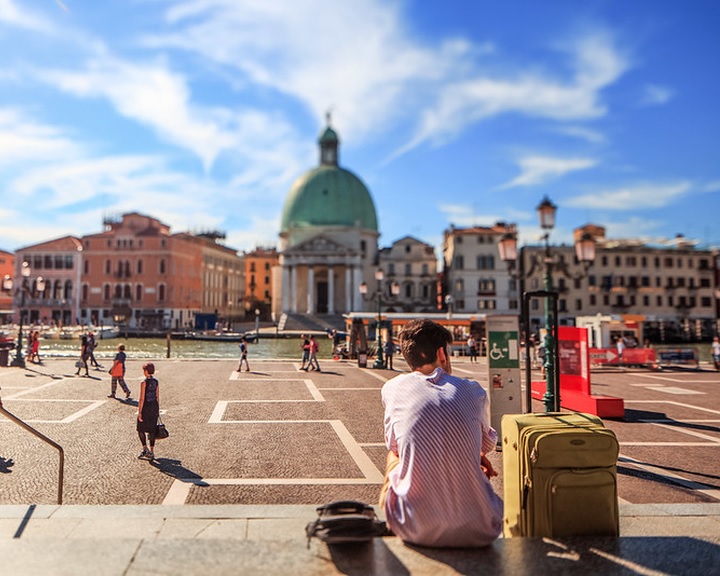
328,242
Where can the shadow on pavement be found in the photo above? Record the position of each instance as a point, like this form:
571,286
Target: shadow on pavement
38,372
175,469
5,465
363,558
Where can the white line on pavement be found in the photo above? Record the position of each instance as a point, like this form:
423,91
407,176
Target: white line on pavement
696,486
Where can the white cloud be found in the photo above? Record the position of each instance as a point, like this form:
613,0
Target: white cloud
11,14
597,64
592,136
539,169
23,139
635,197
656,95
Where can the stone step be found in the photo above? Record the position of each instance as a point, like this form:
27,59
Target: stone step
242,539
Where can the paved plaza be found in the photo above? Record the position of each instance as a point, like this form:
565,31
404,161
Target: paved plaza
251,454
277,435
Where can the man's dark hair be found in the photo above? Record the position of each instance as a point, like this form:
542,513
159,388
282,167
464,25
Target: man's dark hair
420,340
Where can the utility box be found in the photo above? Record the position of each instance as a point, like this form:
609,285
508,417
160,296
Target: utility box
503,354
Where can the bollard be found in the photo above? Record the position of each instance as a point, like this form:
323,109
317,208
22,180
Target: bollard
167,337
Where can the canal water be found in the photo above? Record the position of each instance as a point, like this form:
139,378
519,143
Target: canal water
262,348
158,348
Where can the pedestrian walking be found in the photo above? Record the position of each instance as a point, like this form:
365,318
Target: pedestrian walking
313,350
243,355
84,355
304,365
620,348
716,352
117,372
148,412
472,348
92,344
389,350
34,356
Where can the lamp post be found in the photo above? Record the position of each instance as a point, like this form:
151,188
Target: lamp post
23,290
257,322
394,290
585,254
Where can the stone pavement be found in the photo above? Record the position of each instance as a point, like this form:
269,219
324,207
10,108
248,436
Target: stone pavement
235,539
255,452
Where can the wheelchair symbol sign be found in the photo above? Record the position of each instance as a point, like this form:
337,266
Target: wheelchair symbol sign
502,350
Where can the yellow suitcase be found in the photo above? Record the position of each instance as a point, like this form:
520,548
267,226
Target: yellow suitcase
559,475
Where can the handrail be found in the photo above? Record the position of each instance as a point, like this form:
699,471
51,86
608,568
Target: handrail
45,439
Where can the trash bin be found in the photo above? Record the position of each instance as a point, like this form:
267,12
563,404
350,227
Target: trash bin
4,355
362,359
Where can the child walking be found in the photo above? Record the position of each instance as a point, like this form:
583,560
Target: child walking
243,356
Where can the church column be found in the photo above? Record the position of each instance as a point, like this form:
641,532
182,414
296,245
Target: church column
311,291
348,290
285,288
331,290
293,289
357,297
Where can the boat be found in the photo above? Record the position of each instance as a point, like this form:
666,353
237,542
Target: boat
107,332
216,336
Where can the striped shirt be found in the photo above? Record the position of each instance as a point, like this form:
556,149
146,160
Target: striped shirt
439,424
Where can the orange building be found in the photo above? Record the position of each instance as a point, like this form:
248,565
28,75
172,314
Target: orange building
7,260
258,274
137,274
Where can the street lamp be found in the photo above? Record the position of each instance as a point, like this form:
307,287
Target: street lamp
24,289
585,254
257,322
394,291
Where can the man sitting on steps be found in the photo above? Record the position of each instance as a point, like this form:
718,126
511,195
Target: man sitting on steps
437,430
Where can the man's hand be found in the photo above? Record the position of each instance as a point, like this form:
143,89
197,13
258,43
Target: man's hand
487,467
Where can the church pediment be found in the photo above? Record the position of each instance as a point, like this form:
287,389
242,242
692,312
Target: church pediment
317,245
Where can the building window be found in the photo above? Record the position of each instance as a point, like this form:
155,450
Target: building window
391,268
646,300
138,292
485,262
107,292
408,269
659,301
486,286
139,267
593,300
513,304
425,270
578,304
161,293
459,262
162,266
86,267
486,304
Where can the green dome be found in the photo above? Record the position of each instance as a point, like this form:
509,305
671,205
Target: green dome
329,196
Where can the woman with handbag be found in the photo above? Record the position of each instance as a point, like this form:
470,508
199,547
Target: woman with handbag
84,355
148,411
118,373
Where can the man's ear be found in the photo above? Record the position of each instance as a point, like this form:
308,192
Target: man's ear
442,355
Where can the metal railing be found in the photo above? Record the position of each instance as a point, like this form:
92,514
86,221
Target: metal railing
61,473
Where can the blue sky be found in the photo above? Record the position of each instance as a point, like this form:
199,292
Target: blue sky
203,112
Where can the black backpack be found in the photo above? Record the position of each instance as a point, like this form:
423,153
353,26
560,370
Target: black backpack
346,521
